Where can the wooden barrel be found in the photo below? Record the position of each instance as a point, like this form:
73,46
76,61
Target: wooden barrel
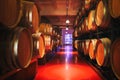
76,20
103,51
83,28
87,4
53,32
115,57
80,49
86,47
92,46
102,17
10,12
76,44
39,44
114,8
79,30
30,16
91,20
49,29
75,33
16,48
83,46
48,43
86,24
83,11
42,28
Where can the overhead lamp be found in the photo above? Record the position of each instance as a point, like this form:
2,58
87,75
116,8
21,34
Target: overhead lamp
67,5
66,28
67,21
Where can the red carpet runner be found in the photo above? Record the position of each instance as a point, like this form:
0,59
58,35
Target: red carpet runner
67,66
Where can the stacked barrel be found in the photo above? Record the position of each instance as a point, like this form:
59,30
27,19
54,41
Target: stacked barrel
18,21
46,30
56,36
94,37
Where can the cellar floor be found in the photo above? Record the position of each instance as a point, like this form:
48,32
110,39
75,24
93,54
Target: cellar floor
67,65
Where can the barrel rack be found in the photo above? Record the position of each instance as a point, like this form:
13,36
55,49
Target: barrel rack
112,32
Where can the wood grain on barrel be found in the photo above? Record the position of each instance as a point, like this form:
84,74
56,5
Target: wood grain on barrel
114,8
10,12
24,49
115,57
100,13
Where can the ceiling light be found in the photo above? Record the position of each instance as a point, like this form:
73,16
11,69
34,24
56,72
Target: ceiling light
67,21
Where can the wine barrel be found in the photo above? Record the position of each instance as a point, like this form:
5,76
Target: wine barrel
83,46
75,33
87,4
79,30
115,57
86,24
86,47
30,16
42,28
10,12
114,8
91,20
49,29
80,49
102,17
39,44
82,28
48,43
76,44
103,52
92,46
83,11
76,20
15,48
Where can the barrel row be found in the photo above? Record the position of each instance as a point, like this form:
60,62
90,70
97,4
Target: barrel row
46,28
103,51
96,49
19,13
101,16
110,6
18,47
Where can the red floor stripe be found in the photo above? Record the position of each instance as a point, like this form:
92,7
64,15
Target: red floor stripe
66,71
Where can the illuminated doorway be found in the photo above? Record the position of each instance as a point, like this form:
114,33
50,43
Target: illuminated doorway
68,38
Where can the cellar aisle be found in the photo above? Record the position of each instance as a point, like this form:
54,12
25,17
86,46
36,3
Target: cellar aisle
67,65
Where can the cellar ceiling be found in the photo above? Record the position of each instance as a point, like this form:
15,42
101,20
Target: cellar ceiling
55,11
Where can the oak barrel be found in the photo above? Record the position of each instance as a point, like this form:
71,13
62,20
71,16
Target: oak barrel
91,20
39,44
48,43
92,46
42,28
76,44
102,16
16,48
86,24
49,29
86,47
103,51
10,12
115,57
114,8
30,17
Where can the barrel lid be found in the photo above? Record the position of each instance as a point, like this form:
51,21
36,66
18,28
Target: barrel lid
115,57
114,8
12,12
